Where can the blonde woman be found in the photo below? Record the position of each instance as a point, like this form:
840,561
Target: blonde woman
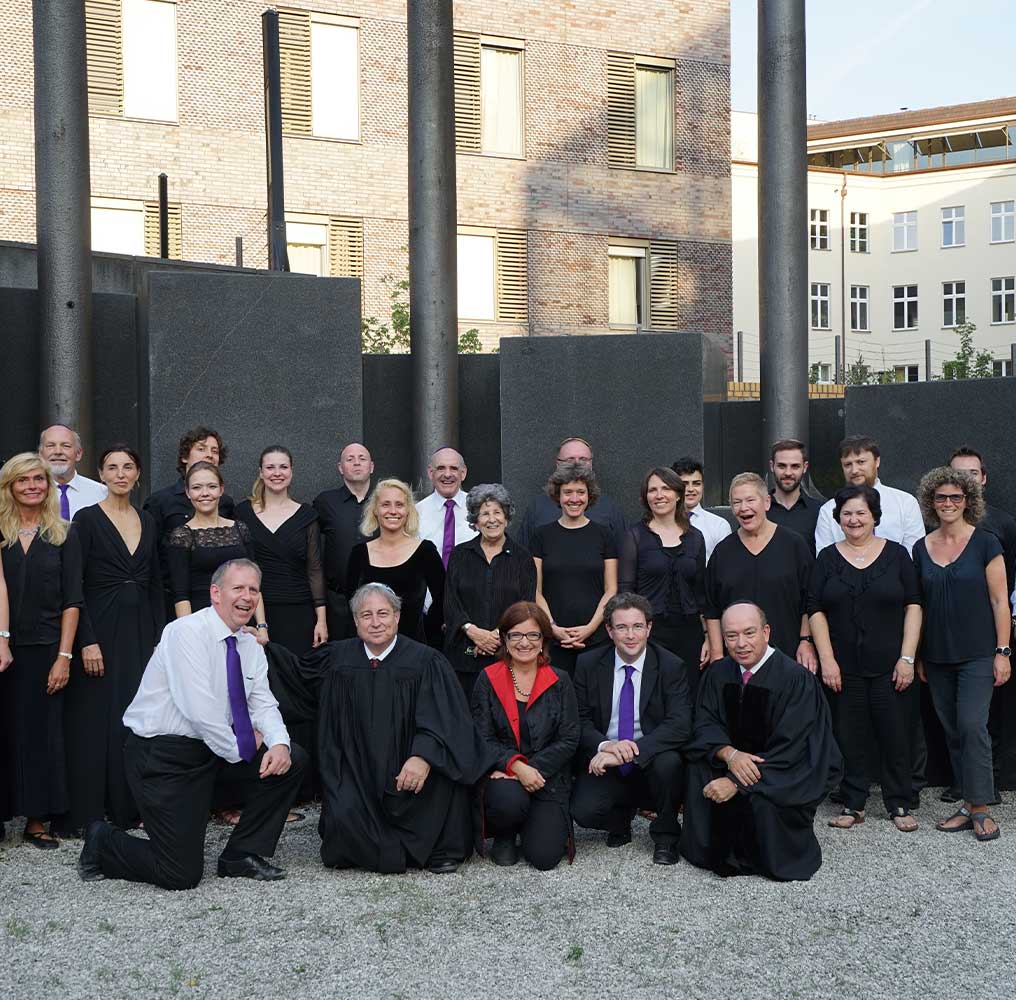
42,566
400,560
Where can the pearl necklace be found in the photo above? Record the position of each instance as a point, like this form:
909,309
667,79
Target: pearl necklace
523,694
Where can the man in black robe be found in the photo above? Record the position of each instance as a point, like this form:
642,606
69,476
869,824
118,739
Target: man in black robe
396,744
761,759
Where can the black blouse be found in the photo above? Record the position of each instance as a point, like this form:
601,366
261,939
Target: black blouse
864,606
194,554
289,557
671,578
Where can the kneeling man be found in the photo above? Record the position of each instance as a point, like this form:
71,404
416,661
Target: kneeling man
203,713
760,761
635,713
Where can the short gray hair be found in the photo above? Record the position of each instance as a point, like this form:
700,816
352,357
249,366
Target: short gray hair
220,573
479,495
362,593
77,436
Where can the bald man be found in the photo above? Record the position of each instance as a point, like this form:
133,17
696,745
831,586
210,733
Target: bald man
443,513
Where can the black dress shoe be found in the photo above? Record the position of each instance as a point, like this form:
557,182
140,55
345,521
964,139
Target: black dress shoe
443,867
664,855
950,794
249,866
88,859
618,838
504,852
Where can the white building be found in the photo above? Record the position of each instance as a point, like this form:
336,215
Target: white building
912,231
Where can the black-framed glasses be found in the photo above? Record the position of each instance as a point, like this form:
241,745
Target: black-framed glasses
529,636
954,498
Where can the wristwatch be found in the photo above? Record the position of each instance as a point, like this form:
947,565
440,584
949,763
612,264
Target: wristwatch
807,638
262,624
5,635
1003,651
907,659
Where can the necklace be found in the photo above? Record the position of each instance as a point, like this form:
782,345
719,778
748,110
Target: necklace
863,553
523,694
28,532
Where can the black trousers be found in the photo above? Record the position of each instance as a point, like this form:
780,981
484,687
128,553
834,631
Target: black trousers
173,780
877,700
609,802
544,825
682,636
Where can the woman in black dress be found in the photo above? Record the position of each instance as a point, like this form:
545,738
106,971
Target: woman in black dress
287,547
965,648
766,564
42,567
576,566
121,619
485,576
664,559
400,560
864,604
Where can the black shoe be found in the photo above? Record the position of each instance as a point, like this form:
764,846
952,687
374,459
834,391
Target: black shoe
88,859
618,838
663,855
443,867
950,794
504,852
41,839
249,866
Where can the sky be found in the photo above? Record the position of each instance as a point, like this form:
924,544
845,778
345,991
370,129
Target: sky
868,57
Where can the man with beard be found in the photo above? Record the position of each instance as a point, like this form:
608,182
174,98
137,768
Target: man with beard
791,506
60,448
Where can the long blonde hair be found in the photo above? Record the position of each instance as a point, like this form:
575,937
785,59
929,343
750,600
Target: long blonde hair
369,522
52,528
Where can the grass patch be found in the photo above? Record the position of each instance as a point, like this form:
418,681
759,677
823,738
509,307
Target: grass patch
574,953
18,929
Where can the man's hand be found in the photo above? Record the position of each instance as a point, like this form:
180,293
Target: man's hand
275,761
412,776
59,674
719,790
806,656
602,760
529,778
91,659
625,750
704,655
743,767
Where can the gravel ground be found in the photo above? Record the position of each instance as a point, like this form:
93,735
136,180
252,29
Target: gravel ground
888,915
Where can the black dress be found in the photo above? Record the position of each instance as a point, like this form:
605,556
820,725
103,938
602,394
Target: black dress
194,554
292,580
411,580
41,584
123,613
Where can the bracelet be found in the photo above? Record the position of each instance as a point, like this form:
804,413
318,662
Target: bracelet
70,656
731,757
262,625
4,634
807,638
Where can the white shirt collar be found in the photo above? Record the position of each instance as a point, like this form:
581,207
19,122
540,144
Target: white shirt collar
219,629
761,663
384,653
620,664
73,483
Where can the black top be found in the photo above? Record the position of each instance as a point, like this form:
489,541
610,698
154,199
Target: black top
864,606
959,624
1003,526
542,510
289,557
194,554
41,583
776,580
525,744
339,514
802,517
671,578
411,580
573,570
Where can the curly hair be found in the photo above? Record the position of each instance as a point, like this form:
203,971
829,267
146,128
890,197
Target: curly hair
483,492
973,509
191,438
573,472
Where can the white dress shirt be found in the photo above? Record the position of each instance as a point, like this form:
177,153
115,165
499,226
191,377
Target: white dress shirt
184,691
901,519
432,514
83,492
713,527
380,656
761,663
615,698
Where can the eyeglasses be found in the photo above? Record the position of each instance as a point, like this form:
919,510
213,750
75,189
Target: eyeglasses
528,636
636,629
953,498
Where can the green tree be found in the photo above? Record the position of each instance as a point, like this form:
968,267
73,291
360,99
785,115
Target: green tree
813,373
968,362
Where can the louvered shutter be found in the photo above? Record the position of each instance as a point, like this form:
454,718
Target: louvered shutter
467,92
620,109
104,48
663,311
294,67
512,281
345,247
152,230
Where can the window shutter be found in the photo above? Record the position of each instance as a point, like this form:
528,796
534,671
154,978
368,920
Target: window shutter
512,282
663,312
345,247
104,48
294,67
620,109
152,230
467,92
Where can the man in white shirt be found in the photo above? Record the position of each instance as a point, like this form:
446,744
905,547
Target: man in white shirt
60,446
443,513
713,527
203,713
901,514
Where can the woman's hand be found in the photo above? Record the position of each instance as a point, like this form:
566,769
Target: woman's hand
577,636
320,634
59,674
261,634
562,635
704,659
1003,670
6,658
530,779
903,675
831,676
91,658
502,774
485,640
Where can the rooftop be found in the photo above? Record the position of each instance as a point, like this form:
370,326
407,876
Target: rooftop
998,107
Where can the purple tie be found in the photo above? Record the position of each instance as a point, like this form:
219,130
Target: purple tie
449,531
745,675
65,504
626,713
245,742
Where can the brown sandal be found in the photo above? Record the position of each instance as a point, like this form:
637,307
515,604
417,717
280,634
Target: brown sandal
847,819
903,821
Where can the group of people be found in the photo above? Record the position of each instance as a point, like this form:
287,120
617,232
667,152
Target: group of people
443,679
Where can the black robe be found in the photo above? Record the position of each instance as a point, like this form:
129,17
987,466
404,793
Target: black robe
369,723
766,828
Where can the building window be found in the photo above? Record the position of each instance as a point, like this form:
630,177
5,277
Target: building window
307,247
819,228
131,53
627,282
953,226
954,303
824,372
1003,221
501,100
905,307
1002,369
492,275
1003,300
904,231
325,245
858,232
819,305
859,309
640,111
907,373
132,227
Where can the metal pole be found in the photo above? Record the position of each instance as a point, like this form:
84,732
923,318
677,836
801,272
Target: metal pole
842,340
432,236
783,220
838,367
1012,359
63,217
239,251
278,256
740,355
163,217
927,361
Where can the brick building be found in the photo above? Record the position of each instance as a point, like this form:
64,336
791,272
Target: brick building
593,149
